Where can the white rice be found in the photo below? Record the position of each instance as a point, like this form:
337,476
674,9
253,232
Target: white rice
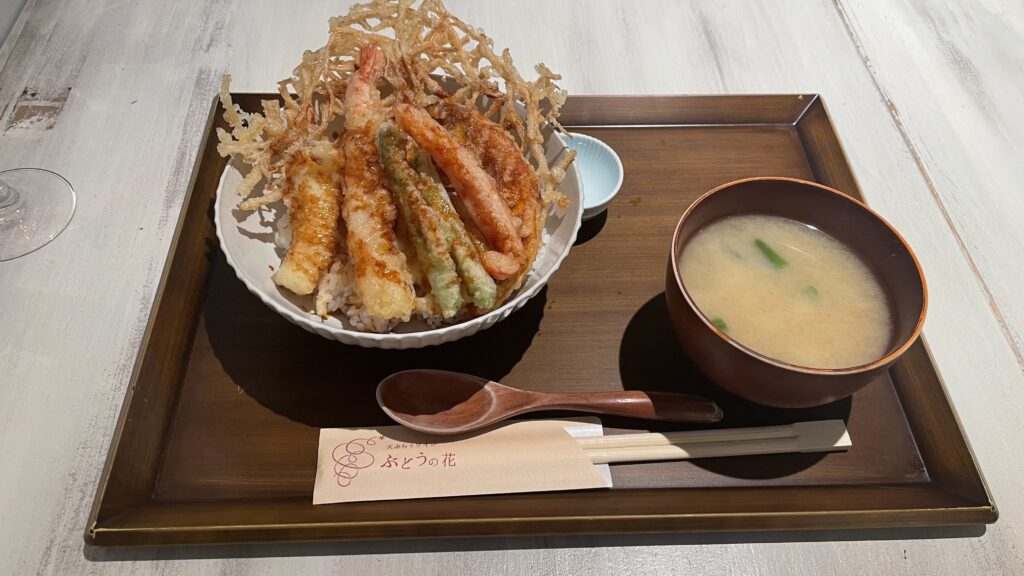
337,293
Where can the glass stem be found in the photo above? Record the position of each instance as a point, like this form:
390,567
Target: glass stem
8,195
10,201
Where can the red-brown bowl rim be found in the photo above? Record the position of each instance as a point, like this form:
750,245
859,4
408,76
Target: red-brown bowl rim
891,356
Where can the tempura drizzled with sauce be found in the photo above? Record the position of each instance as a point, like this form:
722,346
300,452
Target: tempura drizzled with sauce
405,195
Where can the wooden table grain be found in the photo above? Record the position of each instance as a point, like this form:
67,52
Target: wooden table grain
924,94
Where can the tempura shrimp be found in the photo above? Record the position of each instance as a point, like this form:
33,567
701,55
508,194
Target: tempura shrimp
500,158
383,280
475,187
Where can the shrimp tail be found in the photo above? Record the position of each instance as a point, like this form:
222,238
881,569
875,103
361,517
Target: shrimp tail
371,63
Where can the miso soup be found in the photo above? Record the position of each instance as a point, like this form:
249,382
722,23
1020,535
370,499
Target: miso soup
788,291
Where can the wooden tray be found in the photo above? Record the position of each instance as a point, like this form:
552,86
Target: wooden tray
218,434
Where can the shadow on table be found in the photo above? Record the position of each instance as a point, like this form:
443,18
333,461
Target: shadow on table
650,358
241,328
591,228
422,546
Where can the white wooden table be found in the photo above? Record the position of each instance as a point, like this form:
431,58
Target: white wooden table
926,96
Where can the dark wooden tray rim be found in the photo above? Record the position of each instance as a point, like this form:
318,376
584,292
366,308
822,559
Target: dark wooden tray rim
124,512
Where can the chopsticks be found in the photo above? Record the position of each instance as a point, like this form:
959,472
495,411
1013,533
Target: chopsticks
817,436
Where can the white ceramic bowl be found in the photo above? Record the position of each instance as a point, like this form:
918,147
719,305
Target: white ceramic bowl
601,170
247,239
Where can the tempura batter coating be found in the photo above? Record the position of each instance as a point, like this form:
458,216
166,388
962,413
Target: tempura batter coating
504,162
313,211
382,276
476,189
430,235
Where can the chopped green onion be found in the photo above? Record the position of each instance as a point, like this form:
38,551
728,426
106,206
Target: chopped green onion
811,291
720,324
770,254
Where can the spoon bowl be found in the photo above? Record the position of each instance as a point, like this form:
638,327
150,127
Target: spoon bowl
441,402
417,398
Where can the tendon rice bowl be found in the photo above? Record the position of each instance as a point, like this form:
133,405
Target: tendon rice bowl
406,173
252,242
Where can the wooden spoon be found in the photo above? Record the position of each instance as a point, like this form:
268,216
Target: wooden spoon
440,402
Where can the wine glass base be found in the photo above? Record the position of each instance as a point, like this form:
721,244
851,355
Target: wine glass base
35,208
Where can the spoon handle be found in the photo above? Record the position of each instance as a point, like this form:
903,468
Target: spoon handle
664,406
